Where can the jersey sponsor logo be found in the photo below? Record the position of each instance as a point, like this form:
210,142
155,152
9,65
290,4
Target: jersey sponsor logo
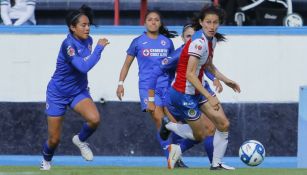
165,61
192,113
146,52
155,52
163,43
70,51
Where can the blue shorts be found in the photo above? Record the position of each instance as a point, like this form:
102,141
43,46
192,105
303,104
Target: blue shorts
186,107
203,98
177,113
160,94
56,104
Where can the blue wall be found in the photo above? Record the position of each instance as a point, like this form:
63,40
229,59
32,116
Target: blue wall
125,129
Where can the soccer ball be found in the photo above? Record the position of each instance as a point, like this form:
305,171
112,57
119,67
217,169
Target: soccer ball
252,153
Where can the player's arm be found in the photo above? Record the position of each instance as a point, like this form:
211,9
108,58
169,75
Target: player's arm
216,82
193,79
87,63
5,13
122,76
230,83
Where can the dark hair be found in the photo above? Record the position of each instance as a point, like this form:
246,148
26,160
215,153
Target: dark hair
210,10
13,2
73,17
162,29
185,27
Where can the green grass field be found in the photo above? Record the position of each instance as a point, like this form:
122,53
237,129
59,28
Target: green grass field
64,170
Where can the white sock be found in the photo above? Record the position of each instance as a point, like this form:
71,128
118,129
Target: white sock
220,142
183,130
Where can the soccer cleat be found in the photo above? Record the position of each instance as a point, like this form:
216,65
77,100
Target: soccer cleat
180,164
164,132
221,166
86,152
45,165
174,155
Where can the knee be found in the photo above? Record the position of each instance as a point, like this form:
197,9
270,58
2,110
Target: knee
94,121
199,136
53,141
224,125
210,130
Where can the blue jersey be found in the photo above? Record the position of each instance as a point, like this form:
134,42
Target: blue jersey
73,63
149,52
168,65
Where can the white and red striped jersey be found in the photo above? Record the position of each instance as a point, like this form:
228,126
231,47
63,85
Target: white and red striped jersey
200,47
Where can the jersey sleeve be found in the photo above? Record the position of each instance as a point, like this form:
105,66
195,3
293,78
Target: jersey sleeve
209,75
171,61
132,50
197,48
82,64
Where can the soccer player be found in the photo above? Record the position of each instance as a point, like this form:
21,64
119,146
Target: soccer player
168,65
149,48
187,89
69,85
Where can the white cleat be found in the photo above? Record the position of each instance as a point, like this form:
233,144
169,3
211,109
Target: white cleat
174,154
45,165
86,152
221,166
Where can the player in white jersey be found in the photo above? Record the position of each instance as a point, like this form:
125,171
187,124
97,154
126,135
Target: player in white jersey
187,89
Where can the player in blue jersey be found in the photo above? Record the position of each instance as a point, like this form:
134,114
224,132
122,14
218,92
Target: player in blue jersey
69,85
168,65
149,48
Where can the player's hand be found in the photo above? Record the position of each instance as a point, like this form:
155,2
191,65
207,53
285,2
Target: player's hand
214,102
120,92
233,85
103,42
151,106
218,85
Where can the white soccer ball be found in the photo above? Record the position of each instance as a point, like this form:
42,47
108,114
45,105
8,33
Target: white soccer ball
252,153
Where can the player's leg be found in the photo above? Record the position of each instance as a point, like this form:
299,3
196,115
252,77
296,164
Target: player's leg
156,116
54,112
84,105
220,140
208,141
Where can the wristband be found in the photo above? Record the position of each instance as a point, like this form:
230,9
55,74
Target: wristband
121,83
151,99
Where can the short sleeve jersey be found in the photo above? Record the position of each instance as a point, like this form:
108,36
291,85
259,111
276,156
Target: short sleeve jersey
149,52
201,48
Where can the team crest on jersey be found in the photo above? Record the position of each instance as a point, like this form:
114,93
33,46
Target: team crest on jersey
70,51
165,61
163,43
198,47
192,113
146,52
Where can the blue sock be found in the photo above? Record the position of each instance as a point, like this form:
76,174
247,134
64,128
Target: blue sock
208,144
186,144
164,144
176,139
47,152
85,132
